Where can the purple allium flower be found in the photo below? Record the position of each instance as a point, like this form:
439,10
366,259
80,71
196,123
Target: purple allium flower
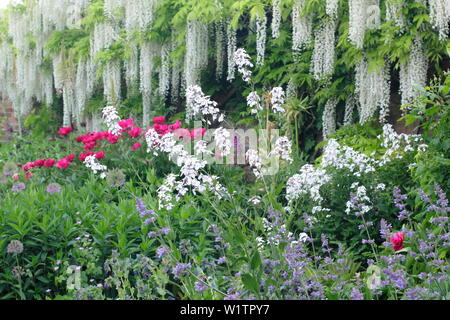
53,188
15,246
18,187
200,286
152,234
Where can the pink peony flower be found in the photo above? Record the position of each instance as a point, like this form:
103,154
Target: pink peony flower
127,124
100,155
70,158
136,146
397,240
135,133
159,120
63,164
49,163
65,131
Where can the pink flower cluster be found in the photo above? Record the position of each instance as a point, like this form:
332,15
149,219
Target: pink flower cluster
93,139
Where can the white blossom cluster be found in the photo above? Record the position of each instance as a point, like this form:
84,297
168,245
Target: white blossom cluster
222,138
283,149
261,35
164,73
91,163
322,64
360,201
308,182
254,102
397,144
329,118
254,162
200,105
276,18
111,119
440,16
242,61
413,73
373,89
302,26
112,82
278,99
344,157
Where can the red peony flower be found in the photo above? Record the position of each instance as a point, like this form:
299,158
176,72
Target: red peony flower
397,240
198,133
28,166
28,175
15,177
39,163
70,158
136,146
159,120
63,164
65,131
135,133
100,155
127,124
49,163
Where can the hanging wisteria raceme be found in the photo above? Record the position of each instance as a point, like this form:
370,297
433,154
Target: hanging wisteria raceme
132,67
413,73
329,118
111,7
276,18
175,77
164,72
332,8
440,16
373,90
350,105
322,64
261,36
302,26
112,82
81,93
196,51
231,49
139,14
149,51
358,22
291,90
220,48
103,36
394,12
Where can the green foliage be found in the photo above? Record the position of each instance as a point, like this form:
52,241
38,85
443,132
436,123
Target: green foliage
41,122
